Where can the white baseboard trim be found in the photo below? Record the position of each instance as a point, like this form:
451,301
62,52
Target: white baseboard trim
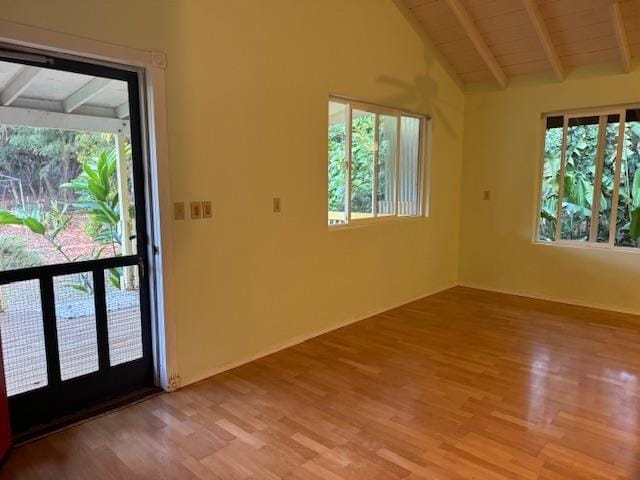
549,298
298,340
308,336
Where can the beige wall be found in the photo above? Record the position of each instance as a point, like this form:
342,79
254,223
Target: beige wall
502,153
247,87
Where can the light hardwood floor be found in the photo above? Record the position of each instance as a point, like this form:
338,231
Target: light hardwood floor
464,384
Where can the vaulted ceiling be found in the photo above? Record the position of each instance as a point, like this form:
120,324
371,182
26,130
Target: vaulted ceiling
496,40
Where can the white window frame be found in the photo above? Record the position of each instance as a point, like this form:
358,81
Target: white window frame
424,143
567,115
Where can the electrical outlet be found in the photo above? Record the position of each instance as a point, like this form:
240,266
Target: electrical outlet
196,210
207,212
276,205
178,211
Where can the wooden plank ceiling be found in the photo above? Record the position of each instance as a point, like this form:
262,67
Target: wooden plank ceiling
487,40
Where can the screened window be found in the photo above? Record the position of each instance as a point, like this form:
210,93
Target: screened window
590,190
375,163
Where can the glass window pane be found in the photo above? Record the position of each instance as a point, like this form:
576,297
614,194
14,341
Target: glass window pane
628,220
123,314
608,178
550,176
578,186
362,158
408,195
387,148
76,324
337,162
56,207
23,350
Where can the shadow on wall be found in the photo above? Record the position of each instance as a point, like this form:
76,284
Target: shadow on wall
423,95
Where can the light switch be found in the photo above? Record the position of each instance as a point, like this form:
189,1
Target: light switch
486,195
178,211
207,212
196,210
276,205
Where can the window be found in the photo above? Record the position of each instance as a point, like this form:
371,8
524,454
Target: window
375,163
597,156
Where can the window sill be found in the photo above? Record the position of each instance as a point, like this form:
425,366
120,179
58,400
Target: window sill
605,247
375,222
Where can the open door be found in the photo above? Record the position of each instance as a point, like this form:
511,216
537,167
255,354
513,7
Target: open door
74,289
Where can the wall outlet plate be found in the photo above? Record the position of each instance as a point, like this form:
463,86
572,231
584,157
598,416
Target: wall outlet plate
207,211
196,210
178,210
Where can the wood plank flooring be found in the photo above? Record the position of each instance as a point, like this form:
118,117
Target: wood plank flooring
464,384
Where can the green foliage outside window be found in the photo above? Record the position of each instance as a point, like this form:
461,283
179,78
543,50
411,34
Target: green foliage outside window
628,223
550,177
337,139
580,178
362,155
96,190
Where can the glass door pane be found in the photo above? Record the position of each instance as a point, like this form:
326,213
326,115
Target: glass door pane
66,183
337,162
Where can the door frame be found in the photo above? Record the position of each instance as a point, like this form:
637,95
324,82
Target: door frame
150,66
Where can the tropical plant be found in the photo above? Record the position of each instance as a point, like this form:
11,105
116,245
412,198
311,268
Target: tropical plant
97,189
48,225
582,146
362,155
337,154
629,203
580,178
550,183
